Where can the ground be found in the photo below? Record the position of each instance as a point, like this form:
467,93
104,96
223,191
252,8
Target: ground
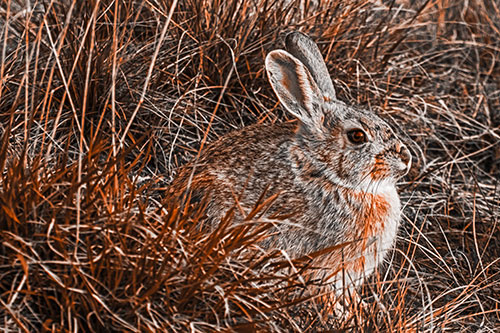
101,102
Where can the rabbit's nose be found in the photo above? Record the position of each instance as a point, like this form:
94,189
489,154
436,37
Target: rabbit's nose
404,154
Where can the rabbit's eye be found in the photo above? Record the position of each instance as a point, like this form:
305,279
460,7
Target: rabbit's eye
356,136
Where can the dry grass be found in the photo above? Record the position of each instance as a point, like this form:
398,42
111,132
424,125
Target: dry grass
100,101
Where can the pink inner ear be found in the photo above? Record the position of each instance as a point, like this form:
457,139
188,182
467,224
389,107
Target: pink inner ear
291,80
294,85
297,81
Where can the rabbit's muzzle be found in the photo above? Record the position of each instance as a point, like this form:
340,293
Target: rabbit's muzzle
404,156
394,162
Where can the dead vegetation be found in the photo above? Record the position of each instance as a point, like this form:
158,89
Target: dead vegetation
100,101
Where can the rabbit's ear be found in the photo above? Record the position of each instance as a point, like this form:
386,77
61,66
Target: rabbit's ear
295,87
303,48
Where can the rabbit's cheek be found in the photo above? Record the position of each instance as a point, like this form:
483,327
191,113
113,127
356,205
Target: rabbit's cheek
380,169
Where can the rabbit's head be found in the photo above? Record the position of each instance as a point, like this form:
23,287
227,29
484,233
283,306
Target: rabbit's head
350,147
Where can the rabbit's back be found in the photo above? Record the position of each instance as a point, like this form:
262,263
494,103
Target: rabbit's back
239,168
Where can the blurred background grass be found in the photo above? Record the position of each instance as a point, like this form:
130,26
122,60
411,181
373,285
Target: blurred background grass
101,101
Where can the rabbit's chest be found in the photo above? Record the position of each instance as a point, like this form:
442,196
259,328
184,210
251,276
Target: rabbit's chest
369,223
378,215
375,222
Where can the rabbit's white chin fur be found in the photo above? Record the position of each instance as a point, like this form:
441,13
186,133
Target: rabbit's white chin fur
382,186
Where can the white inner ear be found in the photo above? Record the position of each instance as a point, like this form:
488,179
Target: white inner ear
294,86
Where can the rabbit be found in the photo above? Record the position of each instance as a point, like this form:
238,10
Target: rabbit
333,171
